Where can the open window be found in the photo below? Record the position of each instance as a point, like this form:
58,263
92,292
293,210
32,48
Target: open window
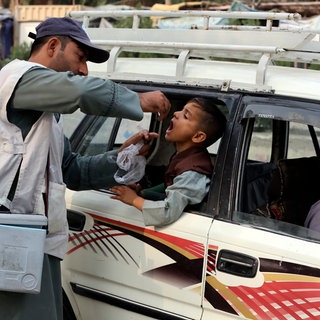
96,135
281,162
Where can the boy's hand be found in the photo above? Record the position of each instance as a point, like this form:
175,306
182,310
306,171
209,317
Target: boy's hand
144,136
128,196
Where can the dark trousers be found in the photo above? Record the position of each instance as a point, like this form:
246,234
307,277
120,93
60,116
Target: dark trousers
45,305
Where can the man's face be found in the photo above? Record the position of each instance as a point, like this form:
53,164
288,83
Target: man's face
71,58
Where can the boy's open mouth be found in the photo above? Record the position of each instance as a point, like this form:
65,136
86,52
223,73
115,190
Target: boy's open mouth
170,127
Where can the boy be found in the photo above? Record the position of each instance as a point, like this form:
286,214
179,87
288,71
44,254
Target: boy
188,174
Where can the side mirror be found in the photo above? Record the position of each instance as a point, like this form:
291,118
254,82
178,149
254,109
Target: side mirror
76,220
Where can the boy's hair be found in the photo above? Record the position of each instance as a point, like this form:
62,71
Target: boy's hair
213,121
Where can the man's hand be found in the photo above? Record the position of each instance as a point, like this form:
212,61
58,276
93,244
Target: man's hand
144,136
155,102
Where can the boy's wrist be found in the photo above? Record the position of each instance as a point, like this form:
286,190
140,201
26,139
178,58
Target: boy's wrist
138,202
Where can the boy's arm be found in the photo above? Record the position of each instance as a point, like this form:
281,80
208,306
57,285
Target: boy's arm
188,188
127,195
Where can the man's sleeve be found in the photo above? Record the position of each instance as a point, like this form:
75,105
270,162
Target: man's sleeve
42,89
88,172
313,219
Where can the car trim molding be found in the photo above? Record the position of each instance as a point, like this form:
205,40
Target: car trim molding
123,303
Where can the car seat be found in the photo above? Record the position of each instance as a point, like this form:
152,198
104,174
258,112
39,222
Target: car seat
294,188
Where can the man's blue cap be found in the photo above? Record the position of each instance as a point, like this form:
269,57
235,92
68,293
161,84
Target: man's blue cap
73,29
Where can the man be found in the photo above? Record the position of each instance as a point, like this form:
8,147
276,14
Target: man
313,218
36,161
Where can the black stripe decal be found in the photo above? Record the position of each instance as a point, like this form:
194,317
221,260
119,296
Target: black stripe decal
126,304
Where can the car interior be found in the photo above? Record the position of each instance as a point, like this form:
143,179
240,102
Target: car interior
285,187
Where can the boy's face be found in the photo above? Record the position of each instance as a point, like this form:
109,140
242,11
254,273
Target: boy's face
184,127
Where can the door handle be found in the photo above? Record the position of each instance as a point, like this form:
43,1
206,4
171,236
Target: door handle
237,264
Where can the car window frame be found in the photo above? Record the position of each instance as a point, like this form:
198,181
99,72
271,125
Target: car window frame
232,212
231,100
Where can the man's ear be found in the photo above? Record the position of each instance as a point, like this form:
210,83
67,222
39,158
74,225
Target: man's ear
199,137
53,45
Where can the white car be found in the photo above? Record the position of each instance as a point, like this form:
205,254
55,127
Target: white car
244,252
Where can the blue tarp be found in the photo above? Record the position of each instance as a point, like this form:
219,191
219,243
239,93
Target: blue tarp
6,20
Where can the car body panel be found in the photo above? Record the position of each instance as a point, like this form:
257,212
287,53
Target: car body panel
284,287
127,255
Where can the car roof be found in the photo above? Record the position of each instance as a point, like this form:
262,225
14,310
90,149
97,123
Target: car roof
262,58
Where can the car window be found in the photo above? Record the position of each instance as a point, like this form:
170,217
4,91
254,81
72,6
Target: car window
128,128
71,122
281,165
213,149
300,144
261,142
96,139
98,134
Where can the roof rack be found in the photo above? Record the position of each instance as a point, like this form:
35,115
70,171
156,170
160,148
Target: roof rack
264,44
205,15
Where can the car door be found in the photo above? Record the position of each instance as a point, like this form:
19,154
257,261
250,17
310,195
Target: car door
119,268
262,262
